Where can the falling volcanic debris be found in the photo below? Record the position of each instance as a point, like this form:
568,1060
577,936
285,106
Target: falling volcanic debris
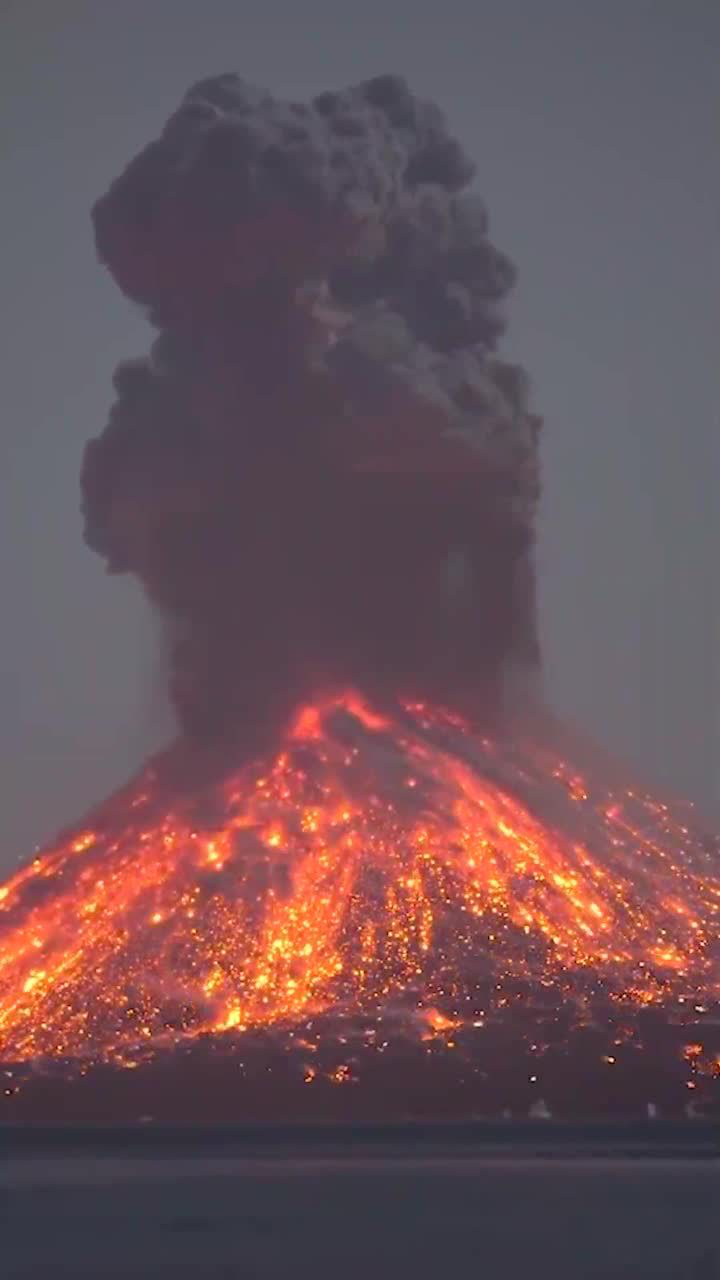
326,481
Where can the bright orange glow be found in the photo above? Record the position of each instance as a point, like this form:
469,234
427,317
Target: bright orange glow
378,854
438,1024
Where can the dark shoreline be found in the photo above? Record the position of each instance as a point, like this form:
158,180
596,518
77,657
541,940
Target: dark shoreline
698,1140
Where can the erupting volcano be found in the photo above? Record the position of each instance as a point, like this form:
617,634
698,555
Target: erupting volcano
371,858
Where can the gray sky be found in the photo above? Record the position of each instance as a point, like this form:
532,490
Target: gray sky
593,123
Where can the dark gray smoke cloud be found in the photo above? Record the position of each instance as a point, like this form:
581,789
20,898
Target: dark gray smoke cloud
322,473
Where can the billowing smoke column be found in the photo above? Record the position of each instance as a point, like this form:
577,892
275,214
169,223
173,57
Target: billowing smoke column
322,473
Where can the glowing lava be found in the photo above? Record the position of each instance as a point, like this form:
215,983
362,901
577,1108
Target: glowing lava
379,855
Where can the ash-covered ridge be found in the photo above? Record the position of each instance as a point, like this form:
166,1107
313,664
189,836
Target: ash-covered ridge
322,472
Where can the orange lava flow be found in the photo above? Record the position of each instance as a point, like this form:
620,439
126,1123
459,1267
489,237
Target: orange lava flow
377,854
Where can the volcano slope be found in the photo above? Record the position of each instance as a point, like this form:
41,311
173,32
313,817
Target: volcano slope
391,915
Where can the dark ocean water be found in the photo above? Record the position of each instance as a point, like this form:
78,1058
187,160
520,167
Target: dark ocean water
627,1138
336,1204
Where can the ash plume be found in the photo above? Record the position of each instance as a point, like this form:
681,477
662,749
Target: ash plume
322,473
